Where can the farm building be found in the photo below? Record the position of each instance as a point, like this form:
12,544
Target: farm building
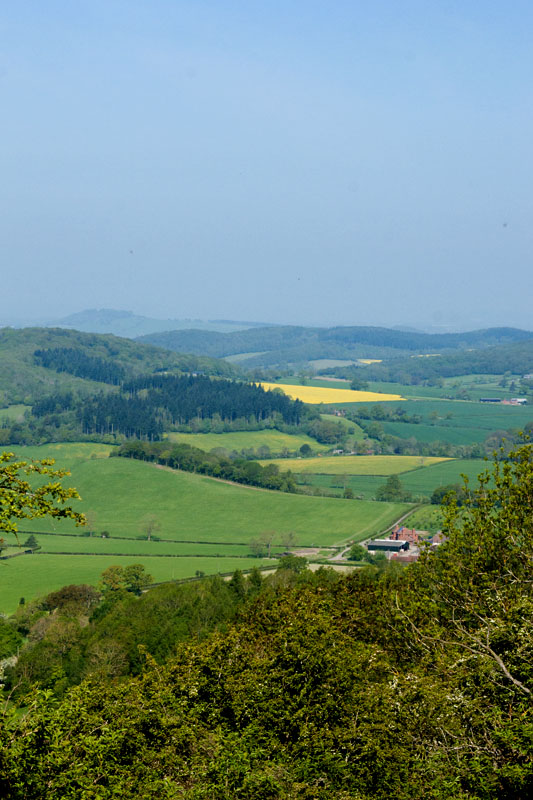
404,558
394,546
400,533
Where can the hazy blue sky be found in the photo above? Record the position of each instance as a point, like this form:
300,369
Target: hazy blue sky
290,161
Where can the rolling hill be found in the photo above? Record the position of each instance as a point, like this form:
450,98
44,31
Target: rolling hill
23,379
274,345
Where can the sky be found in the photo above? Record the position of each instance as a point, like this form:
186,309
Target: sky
291,161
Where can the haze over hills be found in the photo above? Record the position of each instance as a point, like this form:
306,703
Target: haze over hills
130,325
270,346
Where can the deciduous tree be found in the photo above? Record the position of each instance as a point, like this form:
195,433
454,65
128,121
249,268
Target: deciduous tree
24,495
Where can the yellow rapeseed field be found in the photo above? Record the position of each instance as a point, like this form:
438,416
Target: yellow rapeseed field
370,360
323,394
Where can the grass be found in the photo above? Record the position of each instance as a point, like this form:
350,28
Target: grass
420,482
120,492
424,481
237,357
77,543
276,441
14,413
322,394
357,465
32,576
435,433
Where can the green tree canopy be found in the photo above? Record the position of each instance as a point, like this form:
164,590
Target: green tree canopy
22,498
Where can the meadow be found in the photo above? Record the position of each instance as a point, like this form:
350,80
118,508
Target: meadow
237,441
328,395
356,465
32,576
200,516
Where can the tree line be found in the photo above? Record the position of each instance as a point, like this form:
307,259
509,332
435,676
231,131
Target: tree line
192,459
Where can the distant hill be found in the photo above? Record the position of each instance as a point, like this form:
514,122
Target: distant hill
274,345
513,357
24,378
130,325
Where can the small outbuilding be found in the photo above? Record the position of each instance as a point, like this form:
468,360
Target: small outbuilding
391,545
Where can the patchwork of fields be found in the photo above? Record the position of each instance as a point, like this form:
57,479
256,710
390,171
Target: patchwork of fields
209,524
364,475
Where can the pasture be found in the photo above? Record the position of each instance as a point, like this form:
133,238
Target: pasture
118,493
77,544
327,395
209,524
356,465
276,441
32,576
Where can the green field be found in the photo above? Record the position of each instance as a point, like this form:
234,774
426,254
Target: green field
358,433
78,543
31,576
200,516
357,465
14,413
276,441
457,421
420,482
238,357
426,434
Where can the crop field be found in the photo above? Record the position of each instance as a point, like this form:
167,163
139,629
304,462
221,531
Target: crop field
323,394
356,465
32,576
476,386
276,441
464,414
420,482
435,433
406,390
424,481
